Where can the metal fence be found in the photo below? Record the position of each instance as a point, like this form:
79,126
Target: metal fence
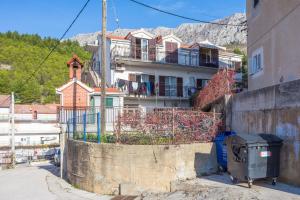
135,125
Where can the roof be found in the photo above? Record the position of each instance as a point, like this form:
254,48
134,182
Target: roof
185,46
5,101
41,109
140,31
116,37
59,90
109,90
208,44
74,58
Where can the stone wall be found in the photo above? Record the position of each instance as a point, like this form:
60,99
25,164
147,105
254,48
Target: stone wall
130,169
274,110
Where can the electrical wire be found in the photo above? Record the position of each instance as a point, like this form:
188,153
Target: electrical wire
184,17
40,66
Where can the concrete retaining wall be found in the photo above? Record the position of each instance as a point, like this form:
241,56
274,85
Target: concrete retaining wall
274,110
130,169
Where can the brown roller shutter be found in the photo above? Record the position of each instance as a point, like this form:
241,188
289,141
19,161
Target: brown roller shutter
179,87
132,77
133,47
171,52
162,86
215,57
152,50
138,48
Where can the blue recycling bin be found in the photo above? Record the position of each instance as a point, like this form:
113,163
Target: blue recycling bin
221,148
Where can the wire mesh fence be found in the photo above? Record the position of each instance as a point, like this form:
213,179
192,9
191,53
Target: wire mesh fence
147,126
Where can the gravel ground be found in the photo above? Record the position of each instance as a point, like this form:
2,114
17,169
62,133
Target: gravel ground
219,187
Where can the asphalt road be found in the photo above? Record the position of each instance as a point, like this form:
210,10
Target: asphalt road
39,182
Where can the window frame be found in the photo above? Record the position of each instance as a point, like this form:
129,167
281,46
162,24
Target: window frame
171,86
255,3
257,61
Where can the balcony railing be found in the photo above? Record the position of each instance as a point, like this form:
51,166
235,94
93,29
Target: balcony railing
155,55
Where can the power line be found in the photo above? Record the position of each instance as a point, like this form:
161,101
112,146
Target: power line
52,50
184,17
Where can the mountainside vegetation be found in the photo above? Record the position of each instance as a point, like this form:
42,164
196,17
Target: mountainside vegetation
24,52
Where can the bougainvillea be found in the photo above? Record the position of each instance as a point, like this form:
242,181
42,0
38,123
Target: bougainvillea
221,84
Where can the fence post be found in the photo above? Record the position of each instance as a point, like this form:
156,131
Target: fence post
84,127
173,123
98,127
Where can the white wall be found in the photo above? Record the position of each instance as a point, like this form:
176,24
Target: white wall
31,130
163,71
4,110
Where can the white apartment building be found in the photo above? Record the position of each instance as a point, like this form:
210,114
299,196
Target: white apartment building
157,71
34,124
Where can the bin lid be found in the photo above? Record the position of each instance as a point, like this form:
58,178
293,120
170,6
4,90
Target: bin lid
251,138
262,138
271,138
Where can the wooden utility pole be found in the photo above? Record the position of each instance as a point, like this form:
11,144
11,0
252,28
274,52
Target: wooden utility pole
103,70
13,128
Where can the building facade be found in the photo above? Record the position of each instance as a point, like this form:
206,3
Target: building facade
156,71
34,124
77,98
273,42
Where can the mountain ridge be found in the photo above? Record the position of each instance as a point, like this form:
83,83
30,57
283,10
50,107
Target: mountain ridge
188,32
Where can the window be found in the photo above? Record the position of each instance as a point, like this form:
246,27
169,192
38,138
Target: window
109,102
144,44
192,82
194,60
34,115
170,86
255,3
257,61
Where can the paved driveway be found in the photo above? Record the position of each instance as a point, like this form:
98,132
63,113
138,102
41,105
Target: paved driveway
39,182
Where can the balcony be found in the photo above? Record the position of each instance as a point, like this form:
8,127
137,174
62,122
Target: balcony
179,57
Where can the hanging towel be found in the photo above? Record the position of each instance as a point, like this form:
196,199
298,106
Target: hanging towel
135,86
121,83
148,85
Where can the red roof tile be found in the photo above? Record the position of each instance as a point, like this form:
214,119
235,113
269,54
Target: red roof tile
41,109
115,37
4,101
112,90
75,57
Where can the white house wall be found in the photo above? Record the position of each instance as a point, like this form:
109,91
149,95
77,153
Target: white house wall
163,71
33,131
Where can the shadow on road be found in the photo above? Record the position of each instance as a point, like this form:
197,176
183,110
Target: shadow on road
51,168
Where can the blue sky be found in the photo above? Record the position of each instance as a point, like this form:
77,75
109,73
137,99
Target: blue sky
51,17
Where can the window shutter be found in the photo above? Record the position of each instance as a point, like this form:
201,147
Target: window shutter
171,52
132,77
179,87
215,57
109,102
199,84
161,85
152,50
138,48
133,46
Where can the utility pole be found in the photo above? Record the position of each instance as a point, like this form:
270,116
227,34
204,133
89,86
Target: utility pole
103,70
13,128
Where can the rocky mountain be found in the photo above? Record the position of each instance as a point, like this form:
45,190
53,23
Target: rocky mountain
190,32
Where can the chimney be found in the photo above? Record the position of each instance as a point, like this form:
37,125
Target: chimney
75,67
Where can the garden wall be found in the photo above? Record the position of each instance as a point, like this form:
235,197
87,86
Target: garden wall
131,169
274,110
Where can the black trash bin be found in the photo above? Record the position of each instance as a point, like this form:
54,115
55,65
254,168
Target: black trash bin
253,156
